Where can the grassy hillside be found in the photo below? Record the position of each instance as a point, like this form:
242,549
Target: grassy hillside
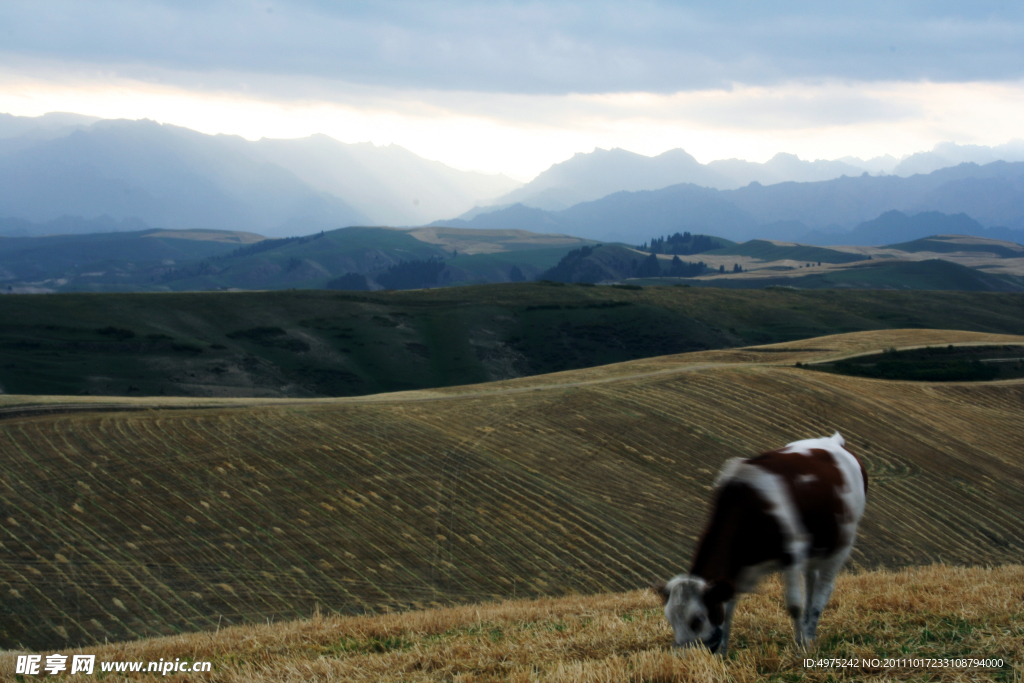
947,244
125,518
183,260
321,343
606,263
109,260
957,263
770,251
485,268
360,258
930,274
469,241
309,261
935,612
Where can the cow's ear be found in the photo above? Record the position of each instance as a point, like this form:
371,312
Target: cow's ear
714,596
661,589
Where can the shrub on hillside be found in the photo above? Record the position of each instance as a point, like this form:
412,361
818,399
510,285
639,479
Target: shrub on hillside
355,282
680,268
413,274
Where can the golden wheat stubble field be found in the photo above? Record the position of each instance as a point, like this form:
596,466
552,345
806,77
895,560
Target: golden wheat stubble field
184,515
885,625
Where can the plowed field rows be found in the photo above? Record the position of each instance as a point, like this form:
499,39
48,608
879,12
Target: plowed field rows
138,522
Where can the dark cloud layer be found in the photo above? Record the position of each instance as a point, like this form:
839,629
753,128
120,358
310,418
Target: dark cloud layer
527,47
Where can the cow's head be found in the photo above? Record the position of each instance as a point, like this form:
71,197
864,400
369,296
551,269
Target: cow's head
695,610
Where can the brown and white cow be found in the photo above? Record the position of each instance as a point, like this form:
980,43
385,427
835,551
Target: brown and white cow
793,510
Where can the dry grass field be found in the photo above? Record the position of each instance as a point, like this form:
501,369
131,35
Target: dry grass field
906,617
126,518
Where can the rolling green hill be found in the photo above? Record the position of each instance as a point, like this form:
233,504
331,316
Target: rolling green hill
303,262
130,517
605,263
323,343
111,260
931,274
156,260
371,258
467,269
770,251
947,244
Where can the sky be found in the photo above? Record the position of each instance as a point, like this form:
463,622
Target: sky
516,86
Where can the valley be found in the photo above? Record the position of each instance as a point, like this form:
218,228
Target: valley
309,343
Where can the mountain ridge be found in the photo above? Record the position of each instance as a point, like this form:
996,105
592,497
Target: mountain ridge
173,177
991,195
592,175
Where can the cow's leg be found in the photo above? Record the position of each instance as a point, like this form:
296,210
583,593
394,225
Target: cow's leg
730,607
795,599
823,585
810,581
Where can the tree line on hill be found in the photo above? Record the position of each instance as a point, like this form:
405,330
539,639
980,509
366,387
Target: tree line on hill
414,274
267,245
684,244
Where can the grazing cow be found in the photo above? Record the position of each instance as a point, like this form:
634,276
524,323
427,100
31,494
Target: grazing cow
793,510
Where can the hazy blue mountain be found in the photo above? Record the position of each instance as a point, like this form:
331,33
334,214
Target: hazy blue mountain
167,176
22,132
54,124
630,217
993,195
589,176
895,226
783,168
389,183
947,154
586,177
881,165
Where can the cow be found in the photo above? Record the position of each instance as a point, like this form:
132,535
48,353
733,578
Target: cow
793,510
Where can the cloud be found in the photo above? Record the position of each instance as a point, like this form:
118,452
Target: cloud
524,133
516,86
523,47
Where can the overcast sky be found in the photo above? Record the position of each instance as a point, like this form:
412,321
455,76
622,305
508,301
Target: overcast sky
516,86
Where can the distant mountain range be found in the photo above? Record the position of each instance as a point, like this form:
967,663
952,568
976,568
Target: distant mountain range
896,226
172,177
72,174
992,196
589,176
25,130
